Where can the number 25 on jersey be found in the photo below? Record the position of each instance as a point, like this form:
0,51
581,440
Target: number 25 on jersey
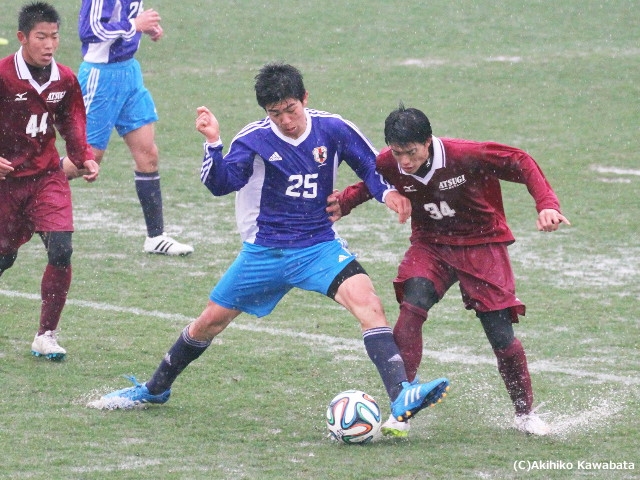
305,186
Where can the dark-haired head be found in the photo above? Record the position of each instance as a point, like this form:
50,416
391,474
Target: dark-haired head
277,82
406,125
34,13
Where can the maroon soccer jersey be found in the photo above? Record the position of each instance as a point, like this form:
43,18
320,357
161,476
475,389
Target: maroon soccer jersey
29,113
459,202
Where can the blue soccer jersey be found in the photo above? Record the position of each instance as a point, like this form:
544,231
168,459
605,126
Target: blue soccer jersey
107,31
283,183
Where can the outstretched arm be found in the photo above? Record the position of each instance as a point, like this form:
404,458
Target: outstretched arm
340,204
219,176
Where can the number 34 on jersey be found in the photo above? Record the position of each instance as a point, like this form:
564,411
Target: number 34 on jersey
439,211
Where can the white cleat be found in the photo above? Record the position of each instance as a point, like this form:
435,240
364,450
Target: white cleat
46,345
532,424
394,428
165,245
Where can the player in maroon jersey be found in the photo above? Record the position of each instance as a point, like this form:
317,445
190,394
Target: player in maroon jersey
459,234
36,95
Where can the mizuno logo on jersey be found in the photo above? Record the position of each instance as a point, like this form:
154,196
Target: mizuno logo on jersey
55,97
320,155
275,157
342,258
452,183
21,97
409,188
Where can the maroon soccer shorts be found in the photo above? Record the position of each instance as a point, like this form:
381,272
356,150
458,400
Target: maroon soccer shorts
33,204
484,271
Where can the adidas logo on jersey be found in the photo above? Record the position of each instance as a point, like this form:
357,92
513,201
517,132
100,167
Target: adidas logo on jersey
275,157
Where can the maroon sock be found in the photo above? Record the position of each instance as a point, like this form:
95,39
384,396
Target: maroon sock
512,365
408,336
54,288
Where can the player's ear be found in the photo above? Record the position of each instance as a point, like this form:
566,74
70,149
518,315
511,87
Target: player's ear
22,38
305,99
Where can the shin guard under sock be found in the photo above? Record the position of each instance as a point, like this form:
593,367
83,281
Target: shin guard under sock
384,354
55,285
150,196
512,365
181,354
408,336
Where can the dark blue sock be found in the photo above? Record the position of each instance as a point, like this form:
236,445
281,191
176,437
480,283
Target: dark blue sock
384,353
148,189
181,354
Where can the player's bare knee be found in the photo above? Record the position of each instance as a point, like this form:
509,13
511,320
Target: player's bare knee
367,322
146,159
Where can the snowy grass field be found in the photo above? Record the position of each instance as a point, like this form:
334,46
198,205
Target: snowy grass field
559,80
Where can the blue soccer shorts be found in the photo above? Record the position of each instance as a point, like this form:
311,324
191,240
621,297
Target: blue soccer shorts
114,96
260,276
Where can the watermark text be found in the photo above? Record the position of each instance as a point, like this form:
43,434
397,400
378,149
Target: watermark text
541,465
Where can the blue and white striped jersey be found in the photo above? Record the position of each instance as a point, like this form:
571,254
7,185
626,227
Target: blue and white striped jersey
106,30
282,184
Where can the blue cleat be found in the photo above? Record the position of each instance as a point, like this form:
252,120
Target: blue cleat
136,395
416,396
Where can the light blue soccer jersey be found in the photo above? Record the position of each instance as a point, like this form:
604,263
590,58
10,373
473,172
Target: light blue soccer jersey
282,184
112,41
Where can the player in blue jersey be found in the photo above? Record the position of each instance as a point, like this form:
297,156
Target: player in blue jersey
283,169
115,96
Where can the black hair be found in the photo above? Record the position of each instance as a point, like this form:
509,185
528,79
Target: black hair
278,81
36,12
406,125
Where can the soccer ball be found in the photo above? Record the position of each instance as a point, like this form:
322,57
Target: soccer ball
353,417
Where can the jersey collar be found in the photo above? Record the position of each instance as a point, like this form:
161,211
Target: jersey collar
301,138
22,70
439,161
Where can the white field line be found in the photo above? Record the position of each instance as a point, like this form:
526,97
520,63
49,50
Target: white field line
337,344
615,170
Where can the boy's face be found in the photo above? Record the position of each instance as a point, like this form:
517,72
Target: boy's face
411,156
288,115
40,44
